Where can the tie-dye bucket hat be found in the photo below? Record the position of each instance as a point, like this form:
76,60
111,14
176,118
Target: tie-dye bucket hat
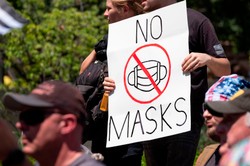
223,90
226,87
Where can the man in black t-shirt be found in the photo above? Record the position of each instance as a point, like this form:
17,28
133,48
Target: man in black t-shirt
205,51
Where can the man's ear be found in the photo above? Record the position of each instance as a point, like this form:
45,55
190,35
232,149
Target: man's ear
68,123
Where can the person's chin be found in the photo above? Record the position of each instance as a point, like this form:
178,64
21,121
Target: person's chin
146,8
28,149
144,4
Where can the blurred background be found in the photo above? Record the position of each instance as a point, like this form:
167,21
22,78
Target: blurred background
59,34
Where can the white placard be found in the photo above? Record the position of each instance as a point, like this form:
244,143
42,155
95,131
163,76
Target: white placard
152,95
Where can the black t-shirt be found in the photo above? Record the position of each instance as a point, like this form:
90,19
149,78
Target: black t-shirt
202,38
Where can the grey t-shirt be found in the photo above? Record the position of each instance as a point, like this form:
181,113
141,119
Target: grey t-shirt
86,160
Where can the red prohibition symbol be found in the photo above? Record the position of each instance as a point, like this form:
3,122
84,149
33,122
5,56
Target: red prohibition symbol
147,73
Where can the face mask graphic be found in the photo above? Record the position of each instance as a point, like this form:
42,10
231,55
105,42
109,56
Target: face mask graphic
139,79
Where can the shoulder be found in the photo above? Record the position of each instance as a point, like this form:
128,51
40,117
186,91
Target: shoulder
211,148
86,160
196,18
194,14
206,154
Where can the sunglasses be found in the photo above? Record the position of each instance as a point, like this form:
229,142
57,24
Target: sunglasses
34,117
204,107
213,112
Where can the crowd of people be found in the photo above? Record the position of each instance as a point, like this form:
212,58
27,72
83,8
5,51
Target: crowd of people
52,121
222,90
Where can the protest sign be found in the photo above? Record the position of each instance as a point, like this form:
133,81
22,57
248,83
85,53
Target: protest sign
152,95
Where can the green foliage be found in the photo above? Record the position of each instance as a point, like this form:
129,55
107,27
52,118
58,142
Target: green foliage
231,24
61,33
52,45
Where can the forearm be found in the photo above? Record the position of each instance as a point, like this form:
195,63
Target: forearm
89,59
219,66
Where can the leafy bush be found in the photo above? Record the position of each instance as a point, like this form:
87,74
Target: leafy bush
52,45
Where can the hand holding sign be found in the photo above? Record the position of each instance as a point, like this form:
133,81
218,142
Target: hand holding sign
150,100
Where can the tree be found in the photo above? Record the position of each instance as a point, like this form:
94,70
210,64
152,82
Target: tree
231,20
61,33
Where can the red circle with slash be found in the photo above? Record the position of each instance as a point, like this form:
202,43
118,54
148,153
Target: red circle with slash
137,59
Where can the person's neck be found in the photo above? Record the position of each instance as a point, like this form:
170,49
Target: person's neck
64,156
161,4
167,3
46,159
67,158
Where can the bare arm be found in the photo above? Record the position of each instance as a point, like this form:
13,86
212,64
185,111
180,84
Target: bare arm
219,66
90,58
